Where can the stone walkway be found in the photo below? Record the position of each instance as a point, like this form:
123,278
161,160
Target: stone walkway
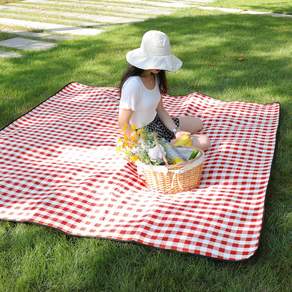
41,24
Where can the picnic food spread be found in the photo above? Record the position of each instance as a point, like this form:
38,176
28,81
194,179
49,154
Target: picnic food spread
166,166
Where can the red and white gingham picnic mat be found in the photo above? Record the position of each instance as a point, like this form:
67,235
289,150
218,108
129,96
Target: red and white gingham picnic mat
59,168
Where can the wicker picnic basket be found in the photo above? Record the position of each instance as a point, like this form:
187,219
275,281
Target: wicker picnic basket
175,178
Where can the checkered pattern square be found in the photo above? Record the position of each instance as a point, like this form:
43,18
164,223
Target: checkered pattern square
59,168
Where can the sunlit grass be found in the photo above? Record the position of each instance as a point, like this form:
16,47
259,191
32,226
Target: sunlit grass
9,1
280,6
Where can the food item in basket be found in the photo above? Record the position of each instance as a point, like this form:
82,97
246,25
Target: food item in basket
183,140
194,154
172,179
145,146
156,153
177,160
188,153
180,154
172,153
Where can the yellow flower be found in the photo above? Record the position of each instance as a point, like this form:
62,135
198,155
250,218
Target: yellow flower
118,148
119,141
134,138
134,158
133,127
139,132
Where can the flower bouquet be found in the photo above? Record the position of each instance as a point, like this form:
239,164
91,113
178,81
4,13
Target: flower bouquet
166,167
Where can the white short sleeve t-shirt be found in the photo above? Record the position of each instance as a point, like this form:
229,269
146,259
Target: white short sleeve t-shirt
141,100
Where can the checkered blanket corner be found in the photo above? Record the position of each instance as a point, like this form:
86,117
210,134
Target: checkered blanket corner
59,168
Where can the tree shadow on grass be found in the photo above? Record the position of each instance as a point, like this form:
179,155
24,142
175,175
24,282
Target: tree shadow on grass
230,57
219,52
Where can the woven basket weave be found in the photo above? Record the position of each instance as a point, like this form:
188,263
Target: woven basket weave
175,178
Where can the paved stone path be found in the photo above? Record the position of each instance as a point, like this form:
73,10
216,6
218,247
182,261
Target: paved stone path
58,20
26,44
41,35
5,54
54,20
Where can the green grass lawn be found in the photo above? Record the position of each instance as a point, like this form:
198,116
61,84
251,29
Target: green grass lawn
227,56
279,6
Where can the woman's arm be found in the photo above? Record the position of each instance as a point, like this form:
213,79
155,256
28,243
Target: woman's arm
165,117
124,118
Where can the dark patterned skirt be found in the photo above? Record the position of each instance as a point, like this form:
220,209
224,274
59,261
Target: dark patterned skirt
162,131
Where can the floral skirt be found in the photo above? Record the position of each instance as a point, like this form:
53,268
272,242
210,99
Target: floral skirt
162,131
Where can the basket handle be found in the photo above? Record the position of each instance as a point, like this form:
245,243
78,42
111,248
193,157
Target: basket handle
184,169
172,181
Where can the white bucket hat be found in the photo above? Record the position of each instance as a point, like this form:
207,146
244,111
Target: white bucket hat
154,53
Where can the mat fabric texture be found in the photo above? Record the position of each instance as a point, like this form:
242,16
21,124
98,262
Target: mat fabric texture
59,168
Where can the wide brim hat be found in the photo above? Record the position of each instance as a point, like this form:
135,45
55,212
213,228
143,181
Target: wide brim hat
154,53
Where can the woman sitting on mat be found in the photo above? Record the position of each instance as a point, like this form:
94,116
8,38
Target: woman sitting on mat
141,88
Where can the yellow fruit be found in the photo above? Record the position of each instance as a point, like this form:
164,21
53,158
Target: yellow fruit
184,140
177,160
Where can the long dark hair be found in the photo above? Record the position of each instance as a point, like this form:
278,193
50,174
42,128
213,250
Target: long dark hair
134,71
